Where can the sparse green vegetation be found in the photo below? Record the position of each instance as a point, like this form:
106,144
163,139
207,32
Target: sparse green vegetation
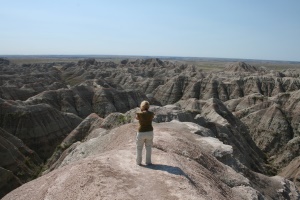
122,119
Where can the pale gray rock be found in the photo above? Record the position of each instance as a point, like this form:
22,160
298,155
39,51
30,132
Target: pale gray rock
90,97
292,171
291,72
273,124
192,104
106,101
77,100
232,131
115,119
216,147
182,169
171,91
272,129
93,121
247,193
171,112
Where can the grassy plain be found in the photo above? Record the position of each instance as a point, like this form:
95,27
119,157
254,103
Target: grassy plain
206,64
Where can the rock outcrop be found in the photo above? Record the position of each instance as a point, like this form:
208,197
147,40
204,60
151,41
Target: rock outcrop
273,124
292,171
84,99
178,88
240,67
40,126
18,165
92,122
185,166
77,100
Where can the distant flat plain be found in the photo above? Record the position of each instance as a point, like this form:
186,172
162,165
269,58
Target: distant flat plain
206,64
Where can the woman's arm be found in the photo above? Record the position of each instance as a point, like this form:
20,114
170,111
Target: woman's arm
153,116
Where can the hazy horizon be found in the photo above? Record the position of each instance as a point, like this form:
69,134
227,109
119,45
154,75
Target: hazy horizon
86,56
267,30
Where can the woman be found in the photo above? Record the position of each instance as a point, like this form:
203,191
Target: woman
145,133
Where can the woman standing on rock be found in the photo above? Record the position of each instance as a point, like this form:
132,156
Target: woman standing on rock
145,133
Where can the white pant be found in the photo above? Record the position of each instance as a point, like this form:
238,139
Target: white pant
141,138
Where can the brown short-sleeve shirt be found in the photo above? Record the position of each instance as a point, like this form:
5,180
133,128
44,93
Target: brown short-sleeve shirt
145,120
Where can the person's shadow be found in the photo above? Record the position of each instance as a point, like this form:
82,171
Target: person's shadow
166,168
169,169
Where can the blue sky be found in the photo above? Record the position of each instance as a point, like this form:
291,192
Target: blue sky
256,29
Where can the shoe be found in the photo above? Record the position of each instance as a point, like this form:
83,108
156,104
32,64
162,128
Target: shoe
149,164
140,164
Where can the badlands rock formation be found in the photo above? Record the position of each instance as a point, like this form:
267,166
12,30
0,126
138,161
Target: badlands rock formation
273,123
21,82
18,163
40,127
185,167
236,125
292,171
241,67
84,99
